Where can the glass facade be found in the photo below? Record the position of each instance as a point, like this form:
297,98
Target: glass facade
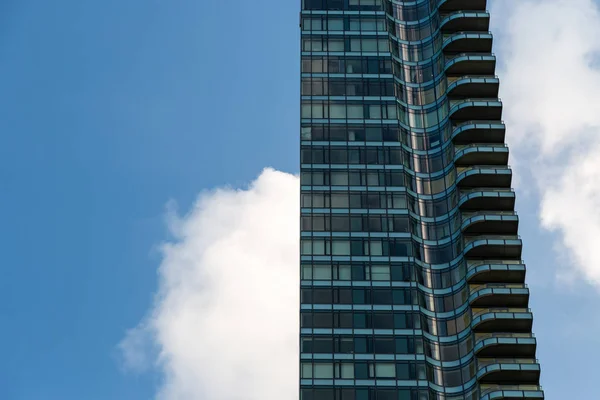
412,284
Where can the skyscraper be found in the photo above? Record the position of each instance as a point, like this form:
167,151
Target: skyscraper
412,284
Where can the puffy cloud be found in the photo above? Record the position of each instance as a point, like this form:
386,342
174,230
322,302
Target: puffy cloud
224,324
221,326
550,56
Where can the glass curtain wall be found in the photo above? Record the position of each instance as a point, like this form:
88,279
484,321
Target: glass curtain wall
412,287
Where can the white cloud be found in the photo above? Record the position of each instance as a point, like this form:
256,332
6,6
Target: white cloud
222,320
221,324
550,85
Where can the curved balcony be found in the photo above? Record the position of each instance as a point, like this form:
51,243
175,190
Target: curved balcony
481,200
503,370
499,295
481,176
473,154
490,222
465,21
512,392
479,132
469,109
454,5
502,320
461,42
493,246
503,344
490,272
470,64
473,86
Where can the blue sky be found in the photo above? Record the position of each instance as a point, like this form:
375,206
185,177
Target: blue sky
108,110
111,109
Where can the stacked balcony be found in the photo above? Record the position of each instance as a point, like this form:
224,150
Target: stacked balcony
457,5
504,344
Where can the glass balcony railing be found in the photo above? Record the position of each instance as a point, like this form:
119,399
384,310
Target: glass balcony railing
474,288
458,42
478,312
499,294
452,79
491,335
484,362
475,35
475,108
470,63
501,246
508,370
474,154
478,101
498,319
472,239
453,5
482,131
467,215
465,21
494,199
474,264
487,391
472,86
489,222
503,271
453,57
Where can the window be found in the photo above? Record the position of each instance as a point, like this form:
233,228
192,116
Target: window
386,394
339,178
340,224
392,111
306,247
337,111
339,200
323,371
306,133
322,345
322,320
335,45
368,25
380,273
359,321
358,296
318,201
384,345
375,111
403,371
383,370
306,271
306,347
341,247
345,273
355,111
369,45
335,24
347,371
401,345
376,248
383,321
318,223
318,247
383,45
373,179
322,272
382,296
306,370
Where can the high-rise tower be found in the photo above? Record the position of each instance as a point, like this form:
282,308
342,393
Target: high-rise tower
412,284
